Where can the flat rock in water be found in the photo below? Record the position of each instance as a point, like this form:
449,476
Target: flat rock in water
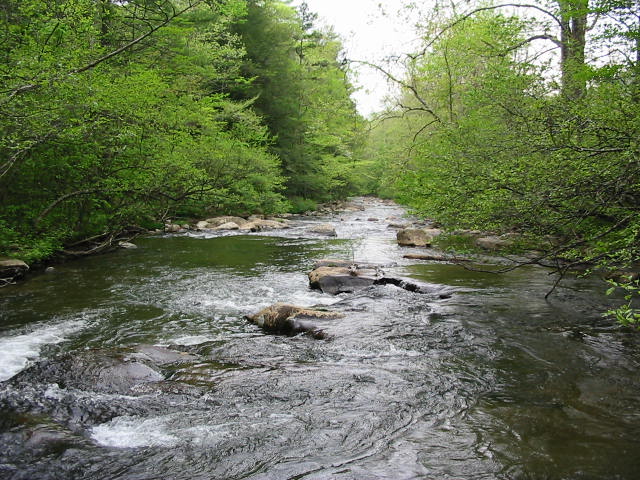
290,319
334,280
433,258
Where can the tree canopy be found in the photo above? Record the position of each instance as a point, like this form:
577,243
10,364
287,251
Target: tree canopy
119,114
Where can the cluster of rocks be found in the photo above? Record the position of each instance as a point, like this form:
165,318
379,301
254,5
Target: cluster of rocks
253,223
412,236
333,277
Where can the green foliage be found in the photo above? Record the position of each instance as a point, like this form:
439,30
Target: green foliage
302,91
485,142
96,136
627,314
302,205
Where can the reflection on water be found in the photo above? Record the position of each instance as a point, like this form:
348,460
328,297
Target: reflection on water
494,382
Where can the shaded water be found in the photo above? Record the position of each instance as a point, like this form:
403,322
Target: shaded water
493,382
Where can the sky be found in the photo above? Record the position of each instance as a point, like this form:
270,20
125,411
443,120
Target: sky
370,30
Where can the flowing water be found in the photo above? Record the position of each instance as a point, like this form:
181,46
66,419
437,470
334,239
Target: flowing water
491,382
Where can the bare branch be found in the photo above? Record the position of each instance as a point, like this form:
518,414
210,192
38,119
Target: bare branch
137,40
411,88
58,201
478,10
167,19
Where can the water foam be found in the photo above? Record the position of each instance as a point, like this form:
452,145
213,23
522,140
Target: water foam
18,351
132,432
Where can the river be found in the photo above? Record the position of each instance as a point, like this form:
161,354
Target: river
139,365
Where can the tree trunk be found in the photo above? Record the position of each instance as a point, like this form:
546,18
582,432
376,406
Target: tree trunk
573,20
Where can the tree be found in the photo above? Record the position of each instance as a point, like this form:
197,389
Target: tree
303,92
128,121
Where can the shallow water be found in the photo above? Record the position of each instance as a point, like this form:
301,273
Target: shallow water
492,382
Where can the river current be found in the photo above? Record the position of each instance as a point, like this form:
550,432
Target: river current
140,365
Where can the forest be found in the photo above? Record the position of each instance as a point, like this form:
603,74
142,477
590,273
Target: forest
508,118
125,114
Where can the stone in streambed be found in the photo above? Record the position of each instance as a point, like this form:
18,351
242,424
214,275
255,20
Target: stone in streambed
335,280
290,319
92,370
228,226
324,229
218,221
264,224
417,237
12,269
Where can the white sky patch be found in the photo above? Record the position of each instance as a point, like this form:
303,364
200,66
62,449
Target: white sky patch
371,30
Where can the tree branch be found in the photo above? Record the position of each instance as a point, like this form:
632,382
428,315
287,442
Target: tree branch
58,201
403,84
168,18
478,10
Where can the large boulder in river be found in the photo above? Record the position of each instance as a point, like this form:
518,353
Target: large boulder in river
334,280
290,319
12,269
324,229
228,226
417,237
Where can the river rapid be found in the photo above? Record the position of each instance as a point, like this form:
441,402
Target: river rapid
140,365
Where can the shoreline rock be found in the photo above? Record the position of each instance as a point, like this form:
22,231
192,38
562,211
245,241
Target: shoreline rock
417,237
12,269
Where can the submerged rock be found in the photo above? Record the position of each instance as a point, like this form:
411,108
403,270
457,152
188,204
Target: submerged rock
332,262
398,225
127,245
161,355
290,319
119,371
